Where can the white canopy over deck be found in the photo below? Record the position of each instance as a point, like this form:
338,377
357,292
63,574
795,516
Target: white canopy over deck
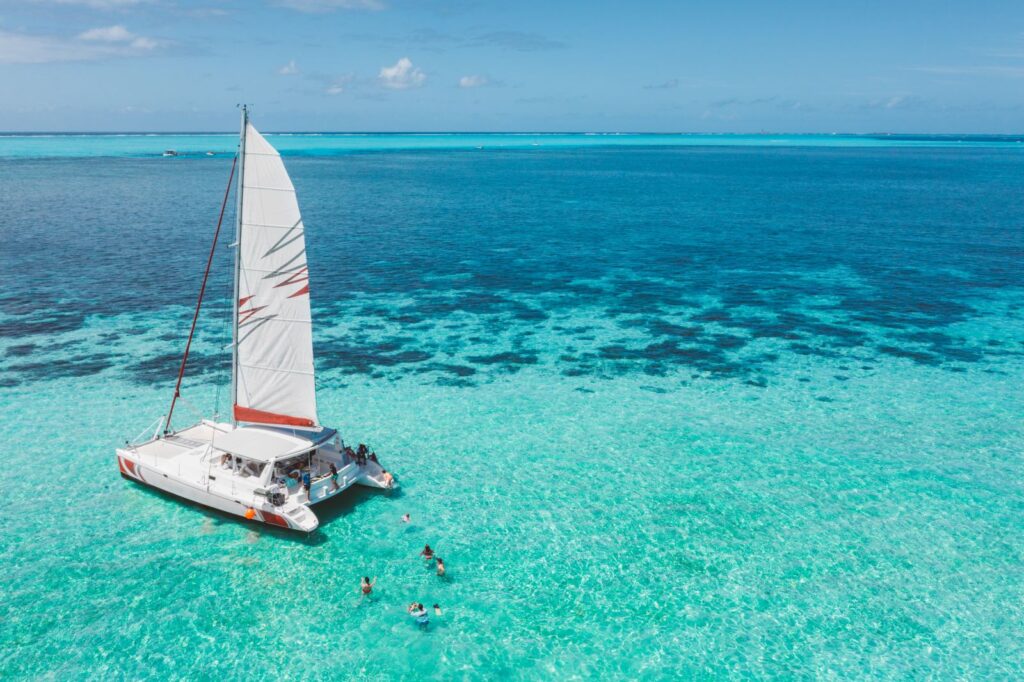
261,444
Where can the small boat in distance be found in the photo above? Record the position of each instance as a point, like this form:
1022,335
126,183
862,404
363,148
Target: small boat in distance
273,460
170,152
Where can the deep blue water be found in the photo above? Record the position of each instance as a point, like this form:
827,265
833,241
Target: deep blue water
897,244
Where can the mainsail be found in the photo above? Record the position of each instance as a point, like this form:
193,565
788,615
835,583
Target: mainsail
273,369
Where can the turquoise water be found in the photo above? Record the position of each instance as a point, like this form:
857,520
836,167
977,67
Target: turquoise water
665,411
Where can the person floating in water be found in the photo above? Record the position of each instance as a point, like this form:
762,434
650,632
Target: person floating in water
437,610
406,518
417,611
427,553
440,566
366,586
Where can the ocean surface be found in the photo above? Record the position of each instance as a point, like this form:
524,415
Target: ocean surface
668,406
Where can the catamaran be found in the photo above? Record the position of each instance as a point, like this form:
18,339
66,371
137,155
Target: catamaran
273,460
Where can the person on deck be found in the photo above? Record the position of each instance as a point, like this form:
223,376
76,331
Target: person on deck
334,475
387,478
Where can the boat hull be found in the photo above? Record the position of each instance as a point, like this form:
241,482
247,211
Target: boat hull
301,519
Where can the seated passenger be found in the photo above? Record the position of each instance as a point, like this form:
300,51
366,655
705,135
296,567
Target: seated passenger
387,478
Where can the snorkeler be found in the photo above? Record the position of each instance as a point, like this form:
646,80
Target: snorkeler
440,566
406,518
427,553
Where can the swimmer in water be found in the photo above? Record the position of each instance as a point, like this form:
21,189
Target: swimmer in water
427,553
405,518
366,587
440,566
437,610
417,611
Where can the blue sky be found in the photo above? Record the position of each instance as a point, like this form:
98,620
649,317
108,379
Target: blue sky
432,65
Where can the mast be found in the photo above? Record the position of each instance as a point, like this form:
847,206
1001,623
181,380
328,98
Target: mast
238,262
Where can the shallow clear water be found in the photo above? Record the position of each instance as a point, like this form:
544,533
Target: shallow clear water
664,410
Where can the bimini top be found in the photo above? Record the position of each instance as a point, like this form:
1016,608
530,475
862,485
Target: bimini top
264,444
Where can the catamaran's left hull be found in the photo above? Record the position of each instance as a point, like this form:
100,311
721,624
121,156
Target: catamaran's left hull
300,518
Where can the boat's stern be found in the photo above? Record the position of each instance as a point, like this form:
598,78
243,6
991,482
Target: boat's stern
296,517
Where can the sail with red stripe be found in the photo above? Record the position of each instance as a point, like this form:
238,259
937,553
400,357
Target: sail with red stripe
274,380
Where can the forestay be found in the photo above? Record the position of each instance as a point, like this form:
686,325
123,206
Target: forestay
274,382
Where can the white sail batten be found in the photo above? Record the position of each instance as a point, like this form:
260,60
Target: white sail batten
274,381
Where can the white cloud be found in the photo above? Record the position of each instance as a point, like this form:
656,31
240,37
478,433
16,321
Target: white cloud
94,44
289,69
334,89
331,5
402,76
119,35
21,48
476,81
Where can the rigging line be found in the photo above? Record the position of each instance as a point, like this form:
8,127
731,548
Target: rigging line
199,302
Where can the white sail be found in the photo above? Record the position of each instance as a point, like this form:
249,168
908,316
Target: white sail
274,382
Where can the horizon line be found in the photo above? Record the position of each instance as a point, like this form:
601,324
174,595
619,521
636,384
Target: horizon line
27,133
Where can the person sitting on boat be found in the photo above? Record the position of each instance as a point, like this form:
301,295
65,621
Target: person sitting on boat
386,478
225,461
417,611
350,454
427,553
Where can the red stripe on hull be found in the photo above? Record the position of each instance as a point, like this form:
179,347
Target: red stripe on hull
247,414
270,517
120,465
